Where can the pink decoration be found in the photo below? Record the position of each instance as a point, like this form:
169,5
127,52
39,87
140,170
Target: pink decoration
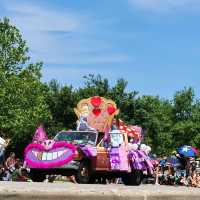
124,166
111,109
96,111
43,164
40,135
96,101
48,144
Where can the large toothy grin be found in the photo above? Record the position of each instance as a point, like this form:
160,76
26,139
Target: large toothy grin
37,156
49,155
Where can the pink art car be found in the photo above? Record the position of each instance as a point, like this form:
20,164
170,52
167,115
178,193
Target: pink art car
92,152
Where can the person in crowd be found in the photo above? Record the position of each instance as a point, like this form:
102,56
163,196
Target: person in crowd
157,174
71,179
3,145
20,173
16,173
24,176
9,167
11,161
192,179
183,181
171,175
2,172
198,180
6,176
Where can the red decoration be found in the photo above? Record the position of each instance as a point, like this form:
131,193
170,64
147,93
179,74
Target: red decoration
111,110
96,111
96,101
132,131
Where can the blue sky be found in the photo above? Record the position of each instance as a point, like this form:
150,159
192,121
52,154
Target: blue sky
154,44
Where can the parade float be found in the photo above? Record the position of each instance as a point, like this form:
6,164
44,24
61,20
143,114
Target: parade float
100,148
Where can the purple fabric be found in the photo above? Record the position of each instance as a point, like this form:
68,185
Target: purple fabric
89,151
147,163
114,159
140,161
136,162
136,141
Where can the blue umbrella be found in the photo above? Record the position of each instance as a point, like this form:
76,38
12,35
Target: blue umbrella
174,161
186,151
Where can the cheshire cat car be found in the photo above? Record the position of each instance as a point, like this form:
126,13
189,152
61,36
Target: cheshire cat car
97,149
86,155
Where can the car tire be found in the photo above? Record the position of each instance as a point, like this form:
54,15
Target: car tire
83,175
37,176
136,177
126,179
133,178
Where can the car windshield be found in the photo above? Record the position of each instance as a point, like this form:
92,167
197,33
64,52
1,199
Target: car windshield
116,139
77,137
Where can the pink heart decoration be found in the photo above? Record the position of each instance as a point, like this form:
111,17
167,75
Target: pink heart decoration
111,110
96,111
96,101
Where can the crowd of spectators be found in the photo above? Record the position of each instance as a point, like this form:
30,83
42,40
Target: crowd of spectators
11,169
185,174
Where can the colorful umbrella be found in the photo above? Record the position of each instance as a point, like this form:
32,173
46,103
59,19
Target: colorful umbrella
196,151
186,151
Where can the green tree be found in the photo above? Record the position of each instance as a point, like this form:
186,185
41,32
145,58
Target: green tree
153,114
13,49
61,101
183,104
186,118
124,100
22,95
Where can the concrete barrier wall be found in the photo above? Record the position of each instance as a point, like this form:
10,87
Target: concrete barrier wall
40,196
63,191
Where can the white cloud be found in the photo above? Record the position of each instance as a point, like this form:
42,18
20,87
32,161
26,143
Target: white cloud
39,25
165,5
35,18
62,37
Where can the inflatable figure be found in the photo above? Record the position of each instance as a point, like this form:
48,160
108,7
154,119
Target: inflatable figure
97,111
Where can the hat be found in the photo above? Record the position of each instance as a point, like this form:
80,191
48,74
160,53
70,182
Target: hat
40,135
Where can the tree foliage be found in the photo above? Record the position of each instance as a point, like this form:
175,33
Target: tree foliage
13,49
22,95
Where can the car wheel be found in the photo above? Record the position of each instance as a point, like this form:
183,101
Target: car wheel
126,179
83,175
37,176
135,177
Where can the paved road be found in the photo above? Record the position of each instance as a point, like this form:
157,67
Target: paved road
75,191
